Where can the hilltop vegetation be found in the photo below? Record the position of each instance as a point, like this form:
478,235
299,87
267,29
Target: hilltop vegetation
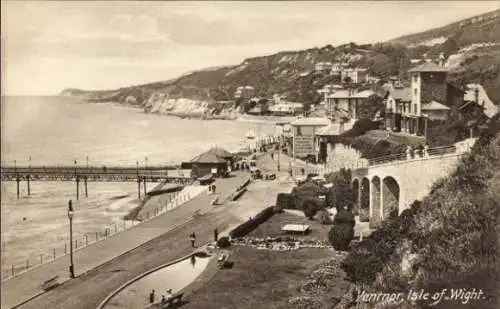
448,240
291,73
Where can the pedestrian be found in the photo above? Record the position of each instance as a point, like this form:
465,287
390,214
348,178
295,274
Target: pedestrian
272,156
163,300
213,188
216,235
192,237
152,297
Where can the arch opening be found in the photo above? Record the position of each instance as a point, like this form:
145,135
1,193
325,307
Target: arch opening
390,194
375,202
364,200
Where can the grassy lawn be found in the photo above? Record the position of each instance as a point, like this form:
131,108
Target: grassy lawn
259,279
272,227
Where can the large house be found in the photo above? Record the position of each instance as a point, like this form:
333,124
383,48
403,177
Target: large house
244,92
345,103
428,98
356,75
285,108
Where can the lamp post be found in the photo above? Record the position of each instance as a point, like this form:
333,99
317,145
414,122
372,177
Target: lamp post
87,158
70,217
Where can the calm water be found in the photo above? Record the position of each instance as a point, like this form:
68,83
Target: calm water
175,277
59,131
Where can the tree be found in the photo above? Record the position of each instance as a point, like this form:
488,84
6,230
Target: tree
342,231
341,194
369,107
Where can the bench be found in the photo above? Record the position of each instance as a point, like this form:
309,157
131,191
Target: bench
173,300
50,284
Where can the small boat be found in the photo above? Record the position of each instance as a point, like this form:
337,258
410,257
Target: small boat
250,134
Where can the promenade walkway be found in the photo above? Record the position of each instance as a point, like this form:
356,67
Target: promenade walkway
27,285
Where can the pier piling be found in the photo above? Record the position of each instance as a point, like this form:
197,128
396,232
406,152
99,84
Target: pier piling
139,187
86,190
77,188
28,182
18,180
12,270
144,182
54,253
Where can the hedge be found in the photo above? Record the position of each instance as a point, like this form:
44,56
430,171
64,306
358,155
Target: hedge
253,223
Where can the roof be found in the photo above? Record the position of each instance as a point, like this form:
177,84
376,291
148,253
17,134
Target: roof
341,94
208,157
434,106
363,94
402,94
311,121
221,152
330,130
428,67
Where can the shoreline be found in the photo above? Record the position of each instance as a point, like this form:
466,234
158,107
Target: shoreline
200,116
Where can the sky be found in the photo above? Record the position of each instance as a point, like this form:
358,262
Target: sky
91,45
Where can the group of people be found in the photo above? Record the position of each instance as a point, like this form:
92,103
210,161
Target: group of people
192,237
164,298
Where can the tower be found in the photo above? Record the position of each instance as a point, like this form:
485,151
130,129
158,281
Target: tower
428,84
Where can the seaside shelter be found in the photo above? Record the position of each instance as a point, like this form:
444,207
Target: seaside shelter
222,153
204,163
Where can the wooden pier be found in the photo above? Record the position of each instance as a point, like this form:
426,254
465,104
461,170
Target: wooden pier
154,174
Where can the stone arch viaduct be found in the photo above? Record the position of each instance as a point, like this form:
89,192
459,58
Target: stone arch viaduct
383,186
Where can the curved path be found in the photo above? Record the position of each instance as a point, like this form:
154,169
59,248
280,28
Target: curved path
165,238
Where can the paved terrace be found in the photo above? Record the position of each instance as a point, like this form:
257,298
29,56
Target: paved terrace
94,284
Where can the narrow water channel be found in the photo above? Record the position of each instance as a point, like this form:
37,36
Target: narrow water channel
176,277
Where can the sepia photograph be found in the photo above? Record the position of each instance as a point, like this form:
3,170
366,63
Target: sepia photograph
250,154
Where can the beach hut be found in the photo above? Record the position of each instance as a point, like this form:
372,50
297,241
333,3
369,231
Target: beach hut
204,163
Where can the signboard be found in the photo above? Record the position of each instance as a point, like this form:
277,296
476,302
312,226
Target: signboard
303,145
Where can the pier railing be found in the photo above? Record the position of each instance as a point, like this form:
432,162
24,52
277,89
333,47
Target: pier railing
51,254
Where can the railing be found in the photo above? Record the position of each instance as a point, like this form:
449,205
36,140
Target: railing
414,154
91,238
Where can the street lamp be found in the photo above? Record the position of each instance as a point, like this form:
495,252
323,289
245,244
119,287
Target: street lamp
70,217
146,162
87,157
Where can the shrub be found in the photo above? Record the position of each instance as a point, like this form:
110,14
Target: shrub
283,201
251,224
223,242
308,189
344,216
340,236
311,207
368,257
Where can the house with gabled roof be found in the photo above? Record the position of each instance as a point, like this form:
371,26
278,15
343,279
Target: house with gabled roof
430,97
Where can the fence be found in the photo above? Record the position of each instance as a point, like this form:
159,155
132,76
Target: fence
91,238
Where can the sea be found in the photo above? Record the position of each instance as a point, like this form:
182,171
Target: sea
61,130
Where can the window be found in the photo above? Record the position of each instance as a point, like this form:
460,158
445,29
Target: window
299,132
